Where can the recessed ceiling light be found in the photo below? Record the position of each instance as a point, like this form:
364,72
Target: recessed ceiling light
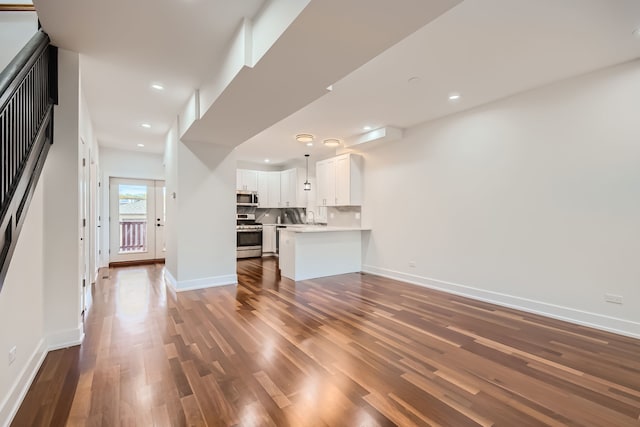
366,128
331,142
157,86
140,145
146,125
309,144
304,137
267,160
454,96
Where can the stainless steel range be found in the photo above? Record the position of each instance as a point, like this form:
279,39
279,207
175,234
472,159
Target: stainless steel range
248,236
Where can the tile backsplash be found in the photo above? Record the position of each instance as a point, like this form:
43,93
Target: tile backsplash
344,216
287,216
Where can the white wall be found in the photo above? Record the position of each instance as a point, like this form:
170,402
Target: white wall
41,299
171,182
130,164
123,164
62,206
16,29
22,311
532,201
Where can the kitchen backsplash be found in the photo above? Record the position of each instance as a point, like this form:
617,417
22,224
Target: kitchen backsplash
344,216
287,216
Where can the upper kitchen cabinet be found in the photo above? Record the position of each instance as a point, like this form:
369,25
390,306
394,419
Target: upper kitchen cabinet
246,180
292,189
269,189
340,181
326,182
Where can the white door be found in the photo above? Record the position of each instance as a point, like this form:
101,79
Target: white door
160,215
136,226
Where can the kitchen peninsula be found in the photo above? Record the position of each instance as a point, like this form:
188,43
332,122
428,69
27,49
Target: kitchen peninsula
308,252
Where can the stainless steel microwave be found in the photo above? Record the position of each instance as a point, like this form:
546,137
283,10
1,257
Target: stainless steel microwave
247,198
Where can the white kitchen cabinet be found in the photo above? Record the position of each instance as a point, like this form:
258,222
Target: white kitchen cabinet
340,181
275,189
292,189
274,179
326,182
246,180
268,239
287,188
269,189
263,190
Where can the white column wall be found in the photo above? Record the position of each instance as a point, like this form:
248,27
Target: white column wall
200,227
532,201
206,238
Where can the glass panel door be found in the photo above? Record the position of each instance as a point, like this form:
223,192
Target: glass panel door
132,220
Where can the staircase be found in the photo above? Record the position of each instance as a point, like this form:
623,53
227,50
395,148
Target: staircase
28,91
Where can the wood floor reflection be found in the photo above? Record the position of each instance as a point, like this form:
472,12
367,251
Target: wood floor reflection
352,350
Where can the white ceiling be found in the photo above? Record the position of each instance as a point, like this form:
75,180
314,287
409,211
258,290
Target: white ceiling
484,49
128,45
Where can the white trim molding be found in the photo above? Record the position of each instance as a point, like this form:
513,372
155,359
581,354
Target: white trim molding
568,314
192,285
66,338
18,391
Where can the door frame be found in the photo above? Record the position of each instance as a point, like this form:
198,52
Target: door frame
154,189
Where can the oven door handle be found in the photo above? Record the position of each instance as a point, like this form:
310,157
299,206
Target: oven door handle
248,231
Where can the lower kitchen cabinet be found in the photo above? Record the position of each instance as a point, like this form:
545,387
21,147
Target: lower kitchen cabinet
268,239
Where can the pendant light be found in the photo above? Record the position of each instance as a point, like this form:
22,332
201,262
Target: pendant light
307,184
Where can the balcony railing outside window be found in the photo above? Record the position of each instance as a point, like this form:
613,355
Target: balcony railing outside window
133,236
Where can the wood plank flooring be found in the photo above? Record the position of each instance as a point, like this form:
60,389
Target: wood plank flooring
352,350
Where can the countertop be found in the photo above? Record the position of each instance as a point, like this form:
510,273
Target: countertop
302,228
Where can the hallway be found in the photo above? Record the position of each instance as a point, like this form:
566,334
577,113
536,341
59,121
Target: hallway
345,350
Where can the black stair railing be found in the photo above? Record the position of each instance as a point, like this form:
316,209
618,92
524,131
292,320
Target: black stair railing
28,91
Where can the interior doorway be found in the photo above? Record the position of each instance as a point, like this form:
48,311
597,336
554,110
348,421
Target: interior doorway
137,218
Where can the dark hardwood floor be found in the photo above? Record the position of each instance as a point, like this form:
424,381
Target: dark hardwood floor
352,350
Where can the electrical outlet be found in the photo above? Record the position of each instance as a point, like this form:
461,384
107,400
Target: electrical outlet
357,215
615,299
412,264
12,354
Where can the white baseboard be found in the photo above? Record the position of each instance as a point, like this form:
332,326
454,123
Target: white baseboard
9,407
18,391
584,318
192,285
66,338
